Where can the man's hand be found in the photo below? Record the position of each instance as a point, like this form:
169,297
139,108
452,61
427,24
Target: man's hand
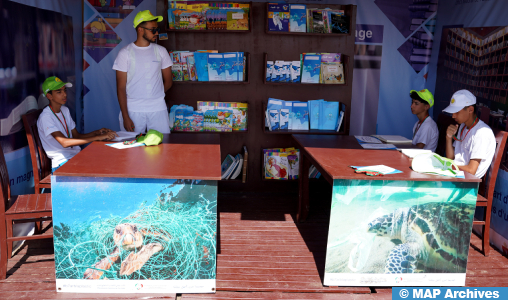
107,136
103,131
451,131
128,124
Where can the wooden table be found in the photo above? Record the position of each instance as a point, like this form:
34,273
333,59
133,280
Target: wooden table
145,214
374,218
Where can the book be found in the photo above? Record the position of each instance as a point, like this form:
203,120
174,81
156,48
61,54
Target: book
332,73
269,70
295,71
330,57
176,69
277,71
314,112
294,163
227,166
240,116
298,18
413,152
245,156
317,22
237,19
273,107
201,65
278,17
277,166
300,116
339,120
339,23
216,67
185,71
284,119
328,115
311,68
288,105
191,67
392,138
238,168
230,61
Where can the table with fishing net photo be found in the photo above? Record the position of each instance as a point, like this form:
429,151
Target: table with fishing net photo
138,220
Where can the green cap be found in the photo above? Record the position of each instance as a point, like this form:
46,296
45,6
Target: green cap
144,16
425,95
53,83
152,138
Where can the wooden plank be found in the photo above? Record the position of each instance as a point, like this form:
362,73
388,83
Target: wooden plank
32,202
49,203
42,295
283,296
21,204
288,287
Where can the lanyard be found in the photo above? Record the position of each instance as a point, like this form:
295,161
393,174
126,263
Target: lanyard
419,125
64,124
474,123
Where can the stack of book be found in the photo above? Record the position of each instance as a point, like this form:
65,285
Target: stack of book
208,15
208,65
281,163
284,115
299,18
313,172
232,167
210,116
311,68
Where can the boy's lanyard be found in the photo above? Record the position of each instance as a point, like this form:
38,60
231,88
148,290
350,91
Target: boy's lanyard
476,120
418,126
63,124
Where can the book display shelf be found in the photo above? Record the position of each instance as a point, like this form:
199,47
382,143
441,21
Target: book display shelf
479,65
207,30
254,91
349,11
344,60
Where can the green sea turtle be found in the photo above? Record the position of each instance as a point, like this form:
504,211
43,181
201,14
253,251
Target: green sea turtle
434,236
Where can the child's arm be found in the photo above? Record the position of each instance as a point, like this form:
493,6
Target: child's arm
450,131
69,142
78,135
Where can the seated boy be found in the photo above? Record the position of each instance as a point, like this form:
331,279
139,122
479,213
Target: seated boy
57,131
471,144
425,132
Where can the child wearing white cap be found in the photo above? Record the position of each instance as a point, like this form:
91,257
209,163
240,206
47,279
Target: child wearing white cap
471,144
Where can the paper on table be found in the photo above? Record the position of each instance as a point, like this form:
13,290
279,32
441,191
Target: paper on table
378,168
393,138
367,139
122,146
124,136
378,146
413,152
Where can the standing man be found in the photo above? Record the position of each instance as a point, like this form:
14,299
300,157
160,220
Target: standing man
143,75
471,144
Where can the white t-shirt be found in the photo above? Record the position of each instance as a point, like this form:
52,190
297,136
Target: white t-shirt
428,134
479,143
145,88
48,124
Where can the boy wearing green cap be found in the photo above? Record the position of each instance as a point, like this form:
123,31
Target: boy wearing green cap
425,132
143,75
57,130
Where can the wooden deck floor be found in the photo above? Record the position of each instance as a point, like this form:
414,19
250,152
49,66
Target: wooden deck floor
263,254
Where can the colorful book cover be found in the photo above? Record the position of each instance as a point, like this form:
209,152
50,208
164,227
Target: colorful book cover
311,68
269,70
300,116
298,18
330,57
332,73
188,118
274,106
294,163
317,21
286,71
176,69
289,106
328,115
225,120
295,71
191,67
184,55
284,119
314,110
326,20
179,113
230,61
278,17
237,20
277,71
339,23
277,166
201,63
185,71
240,66
240,117
197,122
171,18
216,67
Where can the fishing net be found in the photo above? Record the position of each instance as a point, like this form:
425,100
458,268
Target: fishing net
186,230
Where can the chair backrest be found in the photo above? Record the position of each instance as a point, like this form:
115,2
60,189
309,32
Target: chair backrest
443,121
485,114
41,163
489,180
5,193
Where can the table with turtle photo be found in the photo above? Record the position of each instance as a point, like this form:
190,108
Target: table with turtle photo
403,229
138,220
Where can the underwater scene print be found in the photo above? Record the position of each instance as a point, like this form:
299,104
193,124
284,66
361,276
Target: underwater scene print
400,227
136,229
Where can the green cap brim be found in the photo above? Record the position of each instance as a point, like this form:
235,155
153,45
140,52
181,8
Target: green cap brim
58,86
423,96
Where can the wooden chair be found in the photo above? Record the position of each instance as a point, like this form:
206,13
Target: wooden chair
484,114
486,190
19,209
41,164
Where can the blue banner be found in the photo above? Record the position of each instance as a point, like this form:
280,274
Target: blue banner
449,293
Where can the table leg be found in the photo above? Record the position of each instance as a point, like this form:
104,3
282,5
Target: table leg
303,197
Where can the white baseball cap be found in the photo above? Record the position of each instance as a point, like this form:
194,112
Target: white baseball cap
460,100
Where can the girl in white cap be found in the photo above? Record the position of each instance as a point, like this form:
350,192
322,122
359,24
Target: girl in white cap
471,144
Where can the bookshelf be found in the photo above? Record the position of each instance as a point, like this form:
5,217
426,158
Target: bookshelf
478,64
206,30
348,12
256,93
344,59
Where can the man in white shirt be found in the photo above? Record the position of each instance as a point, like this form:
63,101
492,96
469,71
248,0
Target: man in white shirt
143,75
471,144
425,132
57,131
